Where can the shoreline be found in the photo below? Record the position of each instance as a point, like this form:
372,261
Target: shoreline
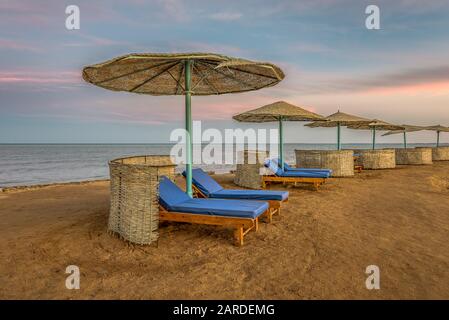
48,185
19,188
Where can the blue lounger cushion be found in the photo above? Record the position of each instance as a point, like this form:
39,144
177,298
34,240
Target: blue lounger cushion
172,198
250,194
204,182
211,189
273,166
303,174
288,168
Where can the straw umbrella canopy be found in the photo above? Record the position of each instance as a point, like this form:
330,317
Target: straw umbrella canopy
407,128
278,111
339,119
375,125
182,74
438,129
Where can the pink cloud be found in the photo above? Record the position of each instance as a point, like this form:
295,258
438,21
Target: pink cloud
40,77
431,88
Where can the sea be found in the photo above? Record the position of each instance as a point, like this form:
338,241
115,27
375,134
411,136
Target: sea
34,164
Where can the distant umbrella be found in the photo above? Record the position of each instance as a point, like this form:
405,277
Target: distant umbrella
278,111
376,125
182,74
407,128
438,129
339,119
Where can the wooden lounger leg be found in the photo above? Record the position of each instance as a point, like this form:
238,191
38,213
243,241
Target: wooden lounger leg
270,215
238,234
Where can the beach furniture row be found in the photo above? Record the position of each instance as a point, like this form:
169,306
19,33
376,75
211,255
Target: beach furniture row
240,209
344,163
137,206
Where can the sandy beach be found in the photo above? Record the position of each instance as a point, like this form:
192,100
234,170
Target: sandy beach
317,249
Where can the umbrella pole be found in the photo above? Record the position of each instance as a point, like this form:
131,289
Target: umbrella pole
438,139
374,137
405,140
187,68
338,136
281,144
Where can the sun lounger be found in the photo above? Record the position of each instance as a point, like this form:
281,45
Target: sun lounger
177,206
206,187
279,175
288,168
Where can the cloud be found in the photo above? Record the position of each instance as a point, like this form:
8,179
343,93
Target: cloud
225,16
174,9
432,79
428,79
17,45
26,12
310,48
90,40
198,46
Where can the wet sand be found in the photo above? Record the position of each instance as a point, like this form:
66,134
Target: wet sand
318,248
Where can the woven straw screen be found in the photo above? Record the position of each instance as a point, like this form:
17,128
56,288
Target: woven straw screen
440,154
415,156
340,161
247,173
377,159
134,211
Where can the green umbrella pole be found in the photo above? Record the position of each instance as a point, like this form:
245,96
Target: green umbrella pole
405,140
188,110
374,138
338,136
281,144
438,139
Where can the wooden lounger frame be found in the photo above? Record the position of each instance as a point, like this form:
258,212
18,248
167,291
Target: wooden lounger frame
275,205
316,182
241,225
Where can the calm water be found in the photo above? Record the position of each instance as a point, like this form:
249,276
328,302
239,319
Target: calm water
41,164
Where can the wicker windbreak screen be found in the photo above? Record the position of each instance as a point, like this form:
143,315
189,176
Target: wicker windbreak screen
247,172
134,211
341,162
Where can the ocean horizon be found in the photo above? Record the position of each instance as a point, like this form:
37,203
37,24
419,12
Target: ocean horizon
27,164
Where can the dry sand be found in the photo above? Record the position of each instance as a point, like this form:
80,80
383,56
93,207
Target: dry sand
318,249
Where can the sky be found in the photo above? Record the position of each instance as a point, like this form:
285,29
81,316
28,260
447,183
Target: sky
332,62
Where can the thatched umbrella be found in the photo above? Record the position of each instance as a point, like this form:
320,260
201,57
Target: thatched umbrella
278,111
438,129
407,128
376,125
182,74
339,119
